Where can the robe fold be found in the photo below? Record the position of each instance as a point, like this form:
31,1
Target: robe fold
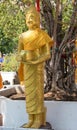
33,74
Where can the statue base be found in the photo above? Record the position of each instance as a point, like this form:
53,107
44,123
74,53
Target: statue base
47,127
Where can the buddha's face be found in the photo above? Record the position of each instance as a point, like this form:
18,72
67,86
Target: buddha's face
32,21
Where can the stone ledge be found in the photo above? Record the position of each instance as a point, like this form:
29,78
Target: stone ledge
7,128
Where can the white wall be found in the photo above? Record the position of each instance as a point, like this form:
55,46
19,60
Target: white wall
8,76
62,115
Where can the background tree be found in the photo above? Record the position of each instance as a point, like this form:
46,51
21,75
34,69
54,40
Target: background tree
59,19
61,22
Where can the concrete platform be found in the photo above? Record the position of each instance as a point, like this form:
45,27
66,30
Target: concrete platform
60,114
7,128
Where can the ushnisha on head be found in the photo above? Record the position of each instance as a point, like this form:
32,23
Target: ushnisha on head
32,18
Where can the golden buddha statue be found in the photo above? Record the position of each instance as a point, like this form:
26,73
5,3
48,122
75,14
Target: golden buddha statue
33,50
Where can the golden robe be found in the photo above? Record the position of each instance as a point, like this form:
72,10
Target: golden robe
31,48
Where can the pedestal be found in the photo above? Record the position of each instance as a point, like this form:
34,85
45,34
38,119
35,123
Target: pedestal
47,127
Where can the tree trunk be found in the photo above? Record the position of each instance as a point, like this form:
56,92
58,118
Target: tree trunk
54,27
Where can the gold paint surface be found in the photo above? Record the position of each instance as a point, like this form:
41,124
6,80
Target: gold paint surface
33,50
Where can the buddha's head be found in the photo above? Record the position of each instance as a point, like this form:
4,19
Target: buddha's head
32,18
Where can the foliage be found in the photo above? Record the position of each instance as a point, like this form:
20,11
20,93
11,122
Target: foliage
12,23
10,63
28,2
67,12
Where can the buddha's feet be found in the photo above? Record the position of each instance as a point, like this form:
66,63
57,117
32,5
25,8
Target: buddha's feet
36,125
37,121
31,120
28,125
